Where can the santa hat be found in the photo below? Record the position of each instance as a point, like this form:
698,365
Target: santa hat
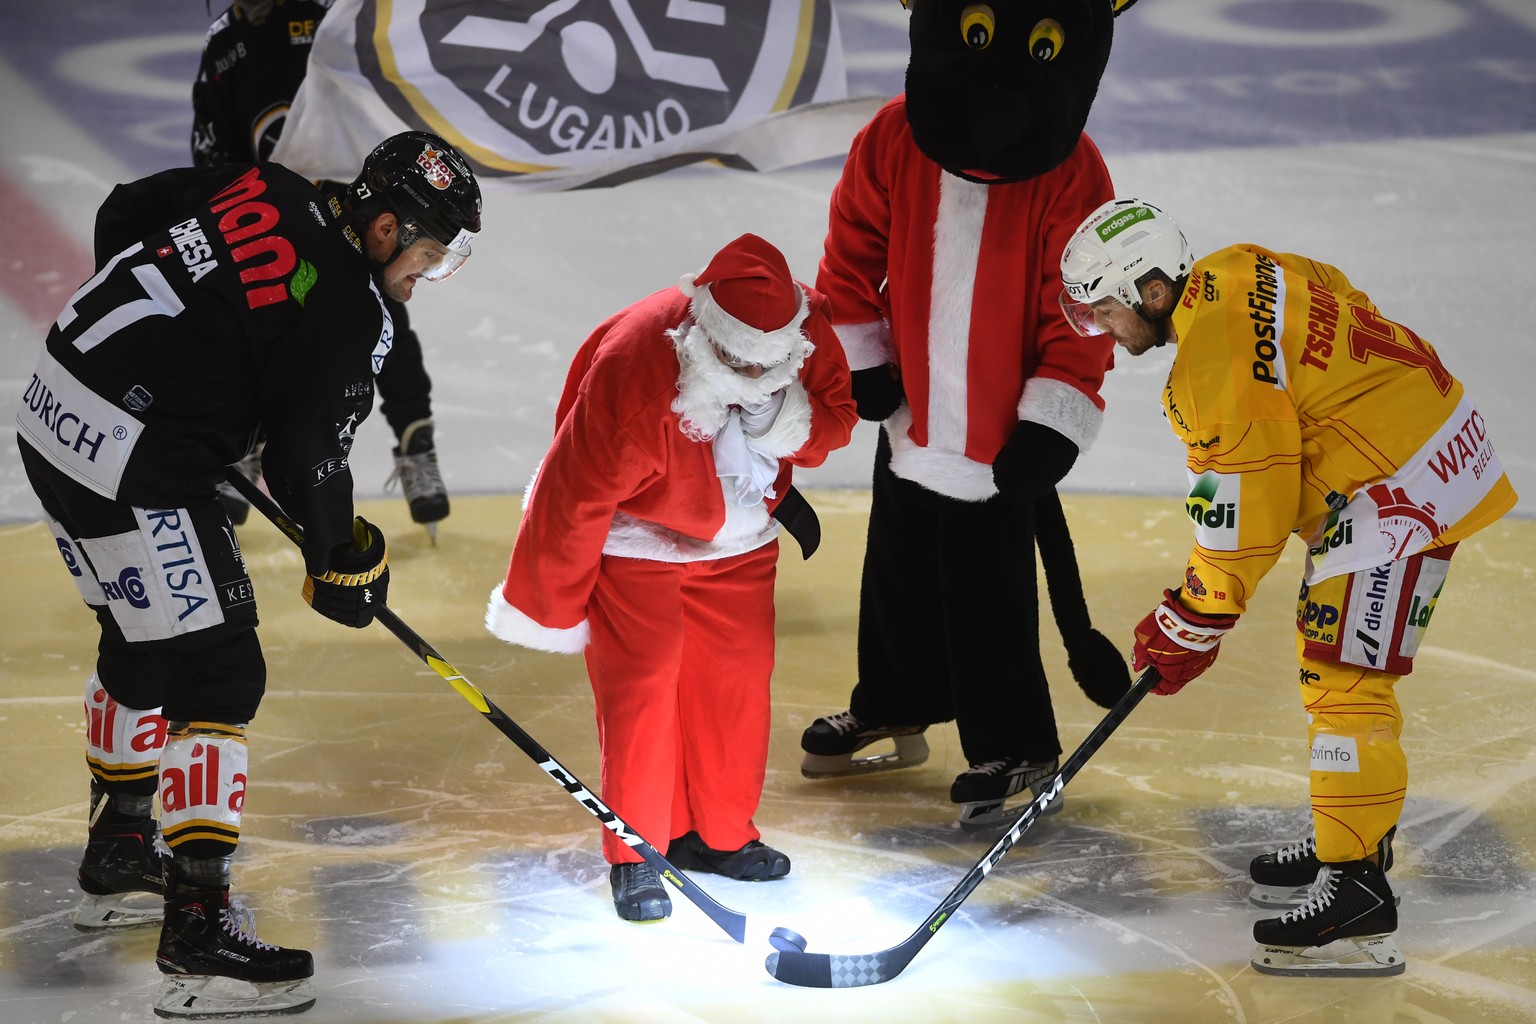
748,304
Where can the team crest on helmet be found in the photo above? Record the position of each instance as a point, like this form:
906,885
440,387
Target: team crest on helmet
432,165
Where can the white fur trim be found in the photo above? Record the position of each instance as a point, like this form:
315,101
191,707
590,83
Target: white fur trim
515,627
707,388
741,341
1063,408
791,428
947,473
745,529
865,345
957,233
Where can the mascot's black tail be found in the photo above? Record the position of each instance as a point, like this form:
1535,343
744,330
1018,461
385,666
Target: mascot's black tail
1092,658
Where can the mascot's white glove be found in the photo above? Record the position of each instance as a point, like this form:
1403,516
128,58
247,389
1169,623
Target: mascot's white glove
750,472
757,419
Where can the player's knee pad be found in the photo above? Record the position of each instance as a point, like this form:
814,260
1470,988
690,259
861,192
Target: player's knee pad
203,771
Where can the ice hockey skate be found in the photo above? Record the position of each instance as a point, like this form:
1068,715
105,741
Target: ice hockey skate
214,964
120,876
1344,927
831,741
638,894
983,789
1284,878
419,477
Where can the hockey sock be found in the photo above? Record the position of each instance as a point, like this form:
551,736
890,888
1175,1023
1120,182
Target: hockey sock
202,788
122,744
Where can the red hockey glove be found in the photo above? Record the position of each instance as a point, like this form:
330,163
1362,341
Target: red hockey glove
355,584
1177,642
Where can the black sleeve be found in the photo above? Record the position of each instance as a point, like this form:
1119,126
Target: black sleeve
317,390
217,136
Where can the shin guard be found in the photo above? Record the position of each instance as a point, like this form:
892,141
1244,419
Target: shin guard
202,788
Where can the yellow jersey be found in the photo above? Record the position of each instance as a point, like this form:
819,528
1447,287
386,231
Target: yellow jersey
1306,411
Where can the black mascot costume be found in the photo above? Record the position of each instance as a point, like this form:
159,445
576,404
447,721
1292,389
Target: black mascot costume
942,262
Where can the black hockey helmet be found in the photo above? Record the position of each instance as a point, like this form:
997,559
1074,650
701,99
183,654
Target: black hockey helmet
428,185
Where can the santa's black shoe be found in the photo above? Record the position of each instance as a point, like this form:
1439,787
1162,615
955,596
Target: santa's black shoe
1344,927
214,964
983,789
753,862
638,894
831,741
1285,877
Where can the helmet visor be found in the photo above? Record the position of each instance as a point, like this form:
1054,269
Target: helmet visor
1079,315
441,260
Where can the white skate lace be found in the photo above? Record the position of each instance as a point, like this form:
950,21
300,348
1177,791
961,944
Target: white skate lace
1319,897
987,768
418,475
239,922
843,722
1296,851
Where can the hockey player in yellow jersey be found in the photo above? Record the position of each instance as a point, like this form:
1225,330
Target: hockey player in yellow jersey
1304,411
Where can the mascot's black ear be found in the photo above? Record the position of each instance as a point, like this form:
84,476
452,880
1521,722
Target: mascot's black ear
1120,6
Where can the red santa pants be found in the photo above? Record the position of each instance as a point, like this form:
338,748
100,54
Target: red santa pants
679,660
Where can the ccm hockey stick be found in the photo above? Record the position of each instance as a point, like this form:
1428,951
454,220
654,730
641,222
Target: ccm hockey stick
823,970
731,922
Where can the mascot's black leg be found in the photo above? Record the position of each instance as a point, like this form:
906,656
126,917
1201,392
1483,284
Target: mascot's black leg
1002,701
903,686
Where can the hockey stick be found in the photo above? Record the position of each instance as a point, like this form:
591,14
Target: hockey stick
823,970
732,923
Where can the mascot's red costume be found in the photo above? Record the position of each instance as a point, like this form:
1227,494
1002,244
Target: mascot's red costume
942,266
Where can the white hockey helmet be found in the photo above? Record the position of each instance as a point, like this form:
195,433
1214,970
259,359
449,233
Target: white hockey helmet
1112,252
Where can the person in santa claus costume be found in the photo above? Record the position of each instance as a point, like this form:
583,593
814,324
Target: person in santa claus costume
649,543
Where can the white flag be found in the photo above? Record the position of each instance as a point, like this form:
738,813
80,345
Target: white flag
561,94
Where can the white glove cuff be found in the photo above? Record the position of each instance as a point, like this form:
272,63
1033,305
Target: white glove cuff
1187,634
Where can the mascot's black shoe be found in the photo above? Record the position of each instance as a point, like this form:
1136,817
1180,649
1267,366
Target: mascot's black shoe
831,741
754,862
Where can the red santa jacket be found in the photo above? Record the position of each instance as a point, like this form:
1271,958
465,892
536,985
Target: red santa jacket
621,477
956,283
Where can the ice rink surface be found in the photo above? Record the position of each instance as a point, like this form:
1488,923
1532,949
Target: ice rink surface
440,877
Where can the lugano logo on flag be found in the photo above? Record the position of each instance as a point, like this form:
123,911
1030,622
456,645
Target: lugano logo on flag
589,92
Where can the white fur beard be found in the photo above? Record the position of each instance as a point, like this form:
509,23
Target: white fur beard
707,388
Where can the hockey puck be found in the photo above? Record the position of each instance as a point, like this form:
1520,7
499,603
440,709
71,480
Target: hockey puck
786,941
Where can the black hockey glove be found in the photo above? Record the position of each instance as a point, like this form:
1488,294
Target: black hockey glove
1032,461
356,582
877,392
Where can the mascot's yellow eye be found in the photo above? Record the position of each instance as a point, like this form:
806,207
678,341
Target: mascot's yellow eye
977,25
1046,41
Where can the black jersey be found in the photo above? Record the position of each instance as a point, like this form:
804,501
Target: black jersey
247,80
230,305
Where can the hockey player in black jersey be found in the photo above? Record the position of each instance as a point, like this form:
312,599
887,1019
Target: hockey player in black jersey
254,58
230,306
